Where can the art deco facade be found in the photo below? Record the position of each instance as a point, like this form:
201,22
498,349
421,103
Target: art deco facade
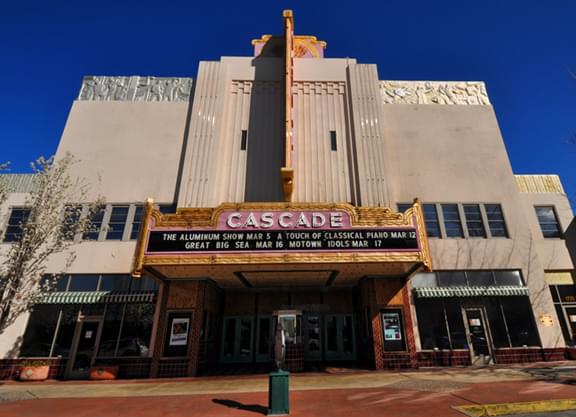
379,221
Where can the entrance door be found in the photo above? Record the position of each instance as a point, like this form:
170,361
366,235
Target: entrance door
312,337
237,339
264,338
84,344
339,336
480,347
571,315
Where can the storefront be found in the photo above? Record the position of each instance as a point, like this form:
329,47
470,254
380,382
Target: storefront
230,273
475,317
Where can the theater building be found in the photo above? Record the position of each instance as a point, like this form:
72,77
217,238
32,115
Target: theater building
379,222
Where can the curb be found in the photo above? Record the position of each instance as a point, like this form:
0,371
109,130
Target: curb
482,410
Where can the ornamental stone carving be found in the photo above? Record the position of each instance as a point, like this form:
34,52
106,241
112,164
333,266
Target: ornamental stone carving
135,88
434,92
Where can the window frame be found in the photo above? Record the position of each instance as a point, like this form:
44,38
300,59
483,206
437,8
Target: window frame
467,222
504,222
558,224
8,225
110,212
462,220
463,232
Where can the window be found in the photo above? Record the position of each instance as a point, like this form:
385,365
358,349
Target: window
548,221
65,332
432,324
479,218
480,278
402,207
83,283
143,284
452,220
40,331
167,208
508,278
111,330
119,283
430,218
18,217
510,318
333,143
243,140
521,327
137,222
72,215
127,325
496,222
452,279
95,224
117,222
474,221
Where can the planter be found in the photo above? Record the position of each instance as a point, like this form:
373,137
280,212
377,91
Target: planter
34,373
104,372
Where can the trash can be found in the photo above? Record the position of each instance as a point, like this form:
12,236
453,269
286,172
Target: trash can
278,393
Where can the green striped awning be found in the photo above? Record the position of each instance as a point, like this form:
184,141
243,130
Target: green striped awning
91,297
492,291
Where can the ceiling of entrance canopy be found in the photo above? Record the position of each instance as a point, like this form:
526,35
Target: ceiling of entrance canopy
271,276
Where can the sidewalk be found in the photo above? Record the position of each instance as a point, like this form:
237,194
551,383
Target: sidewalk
414,393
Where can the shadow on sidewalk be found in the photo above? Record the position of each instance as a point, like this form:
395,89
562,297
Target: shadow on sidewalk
255,408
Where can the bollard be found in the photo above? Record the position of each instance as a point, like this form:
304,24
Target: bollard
278,393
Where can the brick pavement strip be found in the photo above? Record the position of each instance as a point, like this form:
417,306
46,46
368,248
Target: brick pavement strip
429,393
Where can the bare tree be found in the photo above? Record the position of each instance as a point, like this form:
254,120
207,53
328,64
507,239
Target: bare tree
55,217
3,185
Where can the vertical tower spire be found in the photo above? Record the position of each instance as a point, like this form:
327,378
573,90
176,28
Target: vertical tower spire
287,171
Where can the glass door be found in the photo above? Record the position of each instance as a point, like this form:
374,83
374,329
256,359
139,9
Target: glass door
264,339
571,315
339,336
84,347
480,346
312,337
237,339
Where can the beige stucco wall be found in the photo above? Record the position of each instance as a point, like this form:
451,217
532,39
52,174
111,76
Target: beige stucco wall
127,151
455,154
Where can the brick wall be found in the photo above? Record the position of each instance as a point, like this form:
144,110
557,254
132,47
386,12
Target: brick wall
444,358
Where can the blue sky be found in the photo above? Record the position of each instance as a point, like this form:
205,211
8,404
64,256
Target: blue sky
523,50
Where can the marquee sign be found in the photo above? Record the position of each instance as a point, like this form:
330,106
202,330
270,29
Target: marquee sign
283,230
280,233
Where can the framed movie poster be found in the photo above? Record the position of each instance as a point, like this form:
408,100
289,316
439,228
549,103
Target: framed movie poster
393,329
177,333
391,326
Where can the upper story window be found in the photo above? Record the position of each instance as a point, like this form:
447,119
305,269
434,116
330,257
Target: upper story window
496,222
18,216
117,222
137,222
456,220
548,221
109,222
72,214
430,218
474,221
95,224
452,222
